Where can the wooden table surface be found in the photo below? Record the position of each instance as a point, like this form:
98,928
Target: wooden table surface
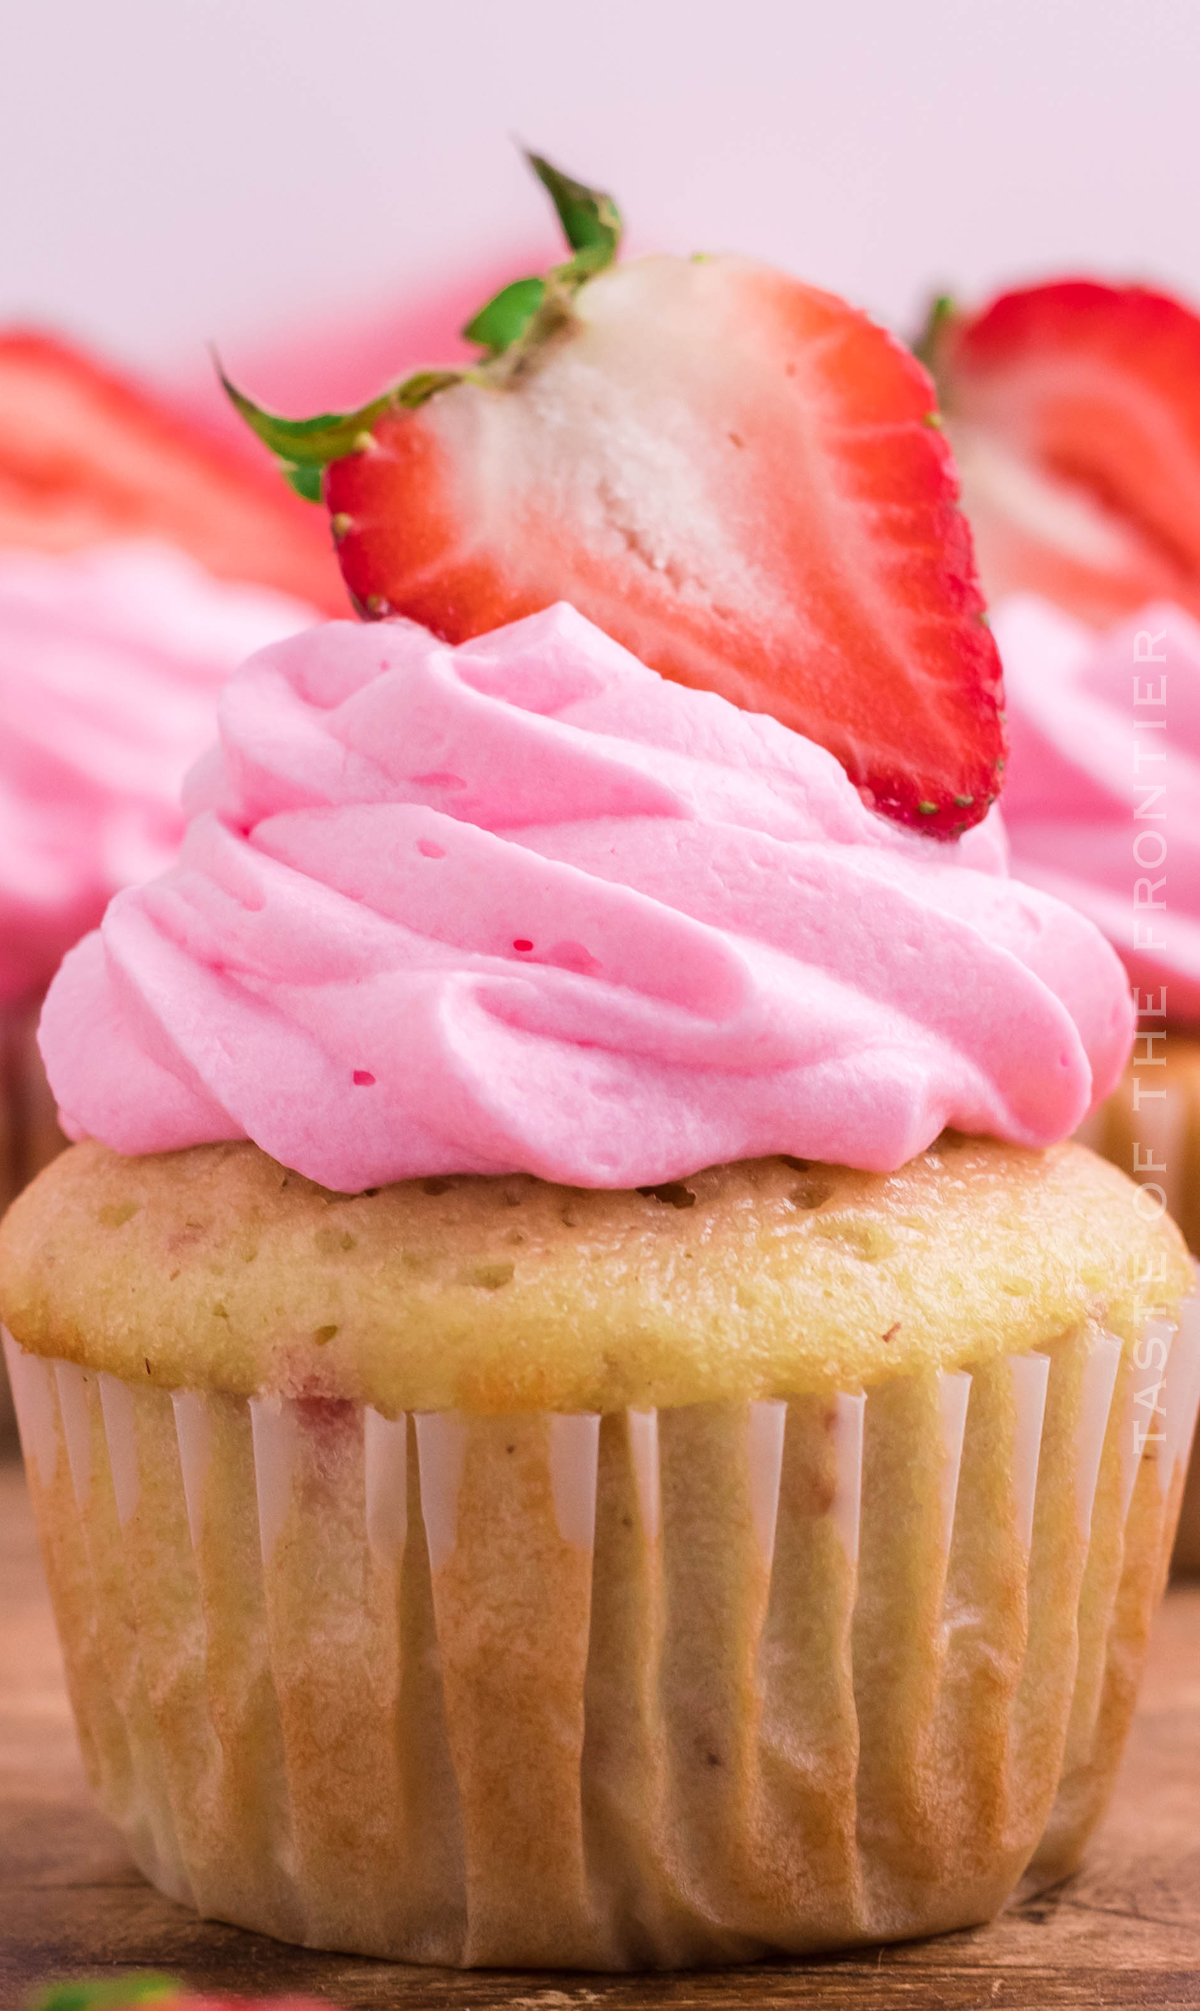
1126,1931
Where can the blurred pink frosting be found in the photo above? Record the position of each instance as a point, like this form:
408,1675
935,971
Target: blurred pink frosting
1088,751
524,905
110,664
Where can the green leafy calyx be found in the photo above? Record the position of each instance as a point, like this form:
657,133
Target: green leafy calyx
521,315
305,446
590,219
506,316
591,225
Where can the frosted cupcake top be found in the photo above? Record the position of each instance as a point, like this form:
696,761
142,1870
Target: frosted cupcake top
523,905
110,664
1102,799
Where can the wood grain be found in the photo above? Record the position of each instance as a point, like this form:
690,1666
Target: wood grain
1125,1932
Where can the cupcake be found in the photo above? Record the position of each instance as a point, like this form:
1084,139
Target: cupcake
1075,411
581,1411
138,564
111,659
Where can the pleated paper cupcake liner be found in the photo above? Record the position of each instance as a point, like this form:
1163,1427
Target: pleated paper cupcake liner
655,1688
29,1133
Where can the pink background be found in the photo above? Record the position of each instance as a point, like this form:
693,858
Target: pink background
251,170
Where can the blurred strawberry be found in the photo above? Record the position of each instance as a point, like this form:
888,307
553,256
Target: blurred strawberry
735,475
86,456
131,1993
1074,411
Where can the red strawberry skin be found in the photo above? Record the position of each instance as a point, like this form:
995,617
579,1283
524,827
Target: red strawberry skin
1074,409
86,456
735,475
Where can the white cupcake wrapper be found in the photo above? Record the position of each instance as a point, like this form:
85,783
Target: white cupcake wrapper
591,1743
1161,1412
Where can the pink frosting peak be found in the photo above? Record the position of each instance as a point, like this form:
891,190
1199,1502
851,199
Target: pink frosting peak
524,905
110,664
1102,800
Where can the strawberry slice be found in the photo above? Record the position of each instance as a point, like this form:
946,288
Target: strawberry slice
737,476
85,456
1074,409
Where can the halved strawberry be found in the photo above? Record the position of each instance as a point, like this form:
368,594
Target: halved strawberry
735,475
86,456
1074,410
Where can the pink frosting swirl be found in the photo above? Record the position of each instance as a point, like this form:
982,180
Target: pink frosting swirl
110,664
523,905
1085,757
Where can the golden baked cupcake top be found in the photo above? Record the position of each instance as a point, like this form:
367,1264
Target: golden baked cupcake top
218,1268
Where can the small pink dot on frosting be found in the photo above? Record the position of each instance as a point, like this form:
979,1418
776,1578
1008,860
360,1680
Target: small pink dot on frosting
520,943
363,1078
429,850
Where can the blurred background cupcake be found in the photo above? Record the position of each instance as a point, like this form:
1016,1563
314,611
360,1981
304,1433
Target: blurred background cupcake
1074,409
139,562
